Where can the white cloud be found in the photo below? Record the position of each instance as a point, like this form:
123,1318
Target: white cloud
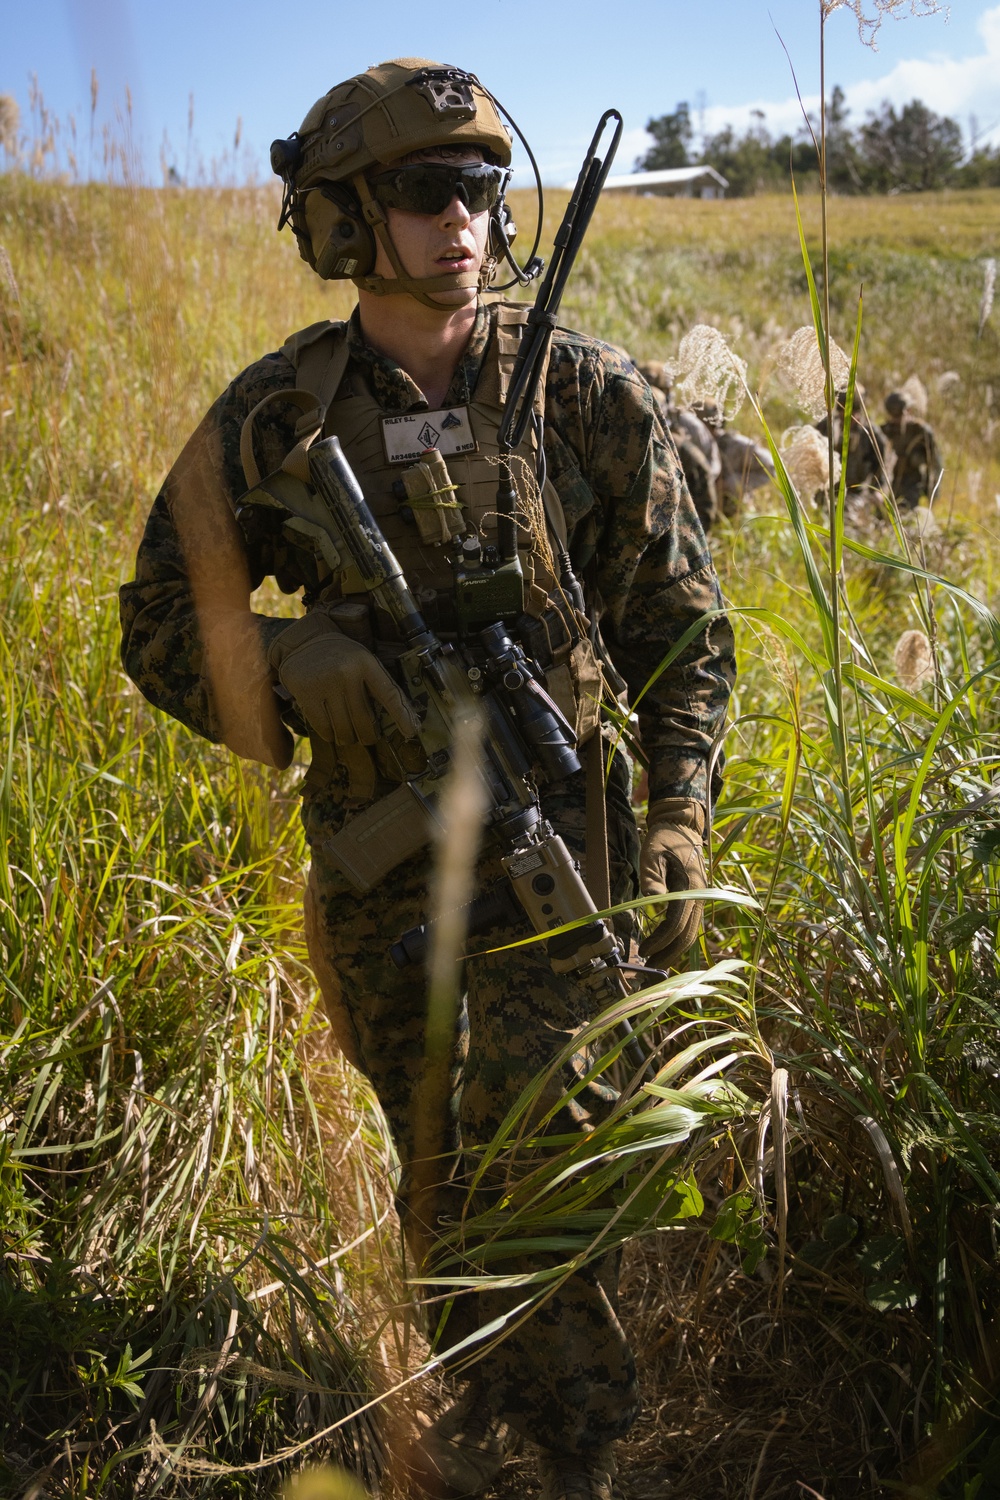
956,86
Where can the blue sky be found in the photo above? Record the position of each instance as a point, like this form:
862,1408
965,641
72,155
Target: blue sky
554,63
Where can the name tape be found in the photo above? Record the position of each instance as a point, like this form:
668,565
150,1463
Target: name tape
407,438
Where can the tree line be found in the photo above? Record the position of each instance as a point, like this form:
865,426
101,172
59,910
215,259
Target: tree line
909,150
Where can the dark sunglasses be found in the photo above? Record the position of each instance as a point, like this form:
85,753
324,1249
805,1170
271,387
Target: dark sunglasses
429,187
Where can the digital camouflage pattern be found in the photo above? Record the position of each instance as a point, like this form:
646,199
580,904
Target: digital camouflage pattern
635,539
695,444
566,1377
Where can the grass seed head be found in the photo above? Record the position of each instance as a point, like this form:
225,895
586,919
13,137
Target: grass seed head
914,393
877,10
989,286
912,659
7,276
800,362
10,119
706,370
806,456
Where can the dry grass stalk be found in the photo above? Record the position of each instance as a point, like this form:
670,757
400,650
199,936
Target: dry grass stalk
732,1378
462,813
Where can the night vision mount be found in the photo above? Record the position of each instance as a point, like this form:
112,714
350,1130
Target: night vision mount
448,91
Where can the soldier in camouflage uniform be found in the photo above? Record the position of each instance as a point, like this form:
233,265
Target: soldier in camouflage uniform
565,1378
869,454
918,467
695,444
746,465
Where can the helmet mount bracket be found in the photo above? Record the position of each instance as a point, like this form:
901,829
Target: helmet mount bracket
448,91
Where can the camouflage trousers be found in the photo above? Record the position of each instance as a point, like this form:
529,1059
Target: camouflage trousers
565,1377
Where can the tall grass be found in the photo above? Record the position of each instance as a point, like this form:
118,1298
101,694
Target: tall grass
861,815
199,1266
861,811
183,1168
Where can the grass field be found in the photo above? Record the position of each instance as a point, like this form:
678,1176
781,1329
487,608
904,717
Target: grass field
200,1263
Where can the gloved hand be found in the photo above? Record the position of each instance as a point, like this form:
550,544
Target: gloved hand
337,683
672,858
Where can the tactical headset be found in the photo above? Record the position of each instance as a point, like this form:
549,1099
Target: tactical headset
370,122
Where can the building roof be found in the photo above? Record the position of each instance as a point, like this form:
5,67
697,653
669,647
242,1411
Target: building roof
669,176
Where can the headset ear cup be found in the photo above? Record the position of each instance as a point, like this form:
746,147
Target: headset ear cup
342,244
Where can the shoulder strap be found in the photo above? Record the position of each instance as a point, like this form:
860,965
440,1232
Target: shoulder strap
319,354
492,388
494,378
306,404
511,320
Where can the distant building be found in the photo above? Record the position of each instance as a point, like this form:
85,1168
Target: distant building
679,182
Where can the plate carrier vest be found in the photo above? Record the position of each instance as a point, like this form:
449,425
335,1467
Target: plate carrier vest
348,410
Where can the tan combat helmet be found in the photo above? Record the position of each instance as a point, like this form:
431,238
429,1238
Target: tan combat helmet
371,121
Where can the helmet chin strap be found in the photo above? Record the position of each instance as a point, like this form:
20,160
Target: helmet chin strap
413,286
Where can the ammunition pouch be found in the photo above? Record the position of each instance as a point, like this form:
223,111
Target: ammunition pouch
376,840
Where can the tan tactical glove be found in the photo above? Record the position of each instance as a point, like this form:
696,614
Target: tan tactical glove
672,858
337,683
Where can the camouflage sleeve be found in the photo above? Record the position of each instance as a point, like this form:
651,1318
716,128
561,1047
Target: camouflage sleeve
635,530
188,634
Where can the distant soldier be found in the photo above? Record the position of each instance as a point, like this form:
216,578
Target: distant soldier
746,465
696,447
870,457
918,458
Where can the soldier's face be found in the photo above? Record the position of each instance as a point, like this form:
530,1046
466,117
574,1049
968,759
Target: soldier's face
436,244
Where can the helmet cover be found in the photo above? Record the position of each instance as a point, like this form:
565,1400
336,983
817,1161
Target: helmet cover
377,117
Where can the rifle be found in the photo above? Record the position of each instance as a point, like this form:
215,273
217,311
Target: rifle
523,726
